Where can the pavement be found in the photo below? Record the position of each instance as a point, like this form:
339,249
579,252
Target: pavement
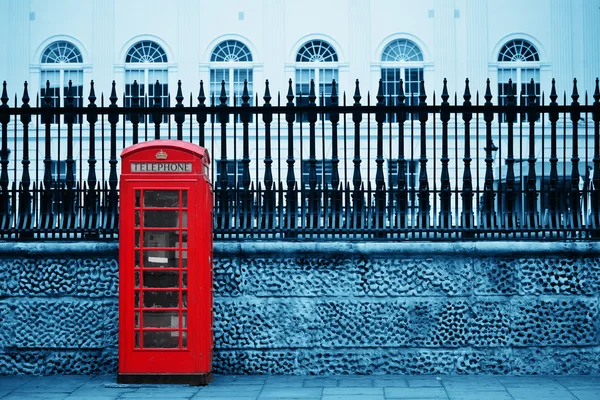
338,387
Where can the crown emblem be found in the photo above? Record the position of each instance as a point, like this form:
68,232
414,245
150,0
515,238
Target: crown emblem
161,155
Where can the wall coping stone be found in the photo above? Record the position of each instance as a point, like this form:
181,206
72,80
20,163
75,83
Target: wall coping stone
256,247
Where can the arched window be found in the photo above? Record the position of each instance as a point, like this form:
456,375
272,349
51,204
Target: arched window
231,61
402,59
61,62
518,60
315,60
145,63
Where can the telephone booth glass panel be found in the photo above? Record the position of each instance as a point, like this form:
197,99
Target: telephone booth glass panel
160,290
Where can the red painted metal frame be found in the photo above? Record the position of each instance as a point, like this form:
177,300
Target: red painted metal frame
196,357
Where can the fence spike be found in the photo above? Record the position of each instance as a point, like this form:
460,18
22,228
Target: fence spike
575,194
201,115
467,218
445,215
424,204
595,195
4,161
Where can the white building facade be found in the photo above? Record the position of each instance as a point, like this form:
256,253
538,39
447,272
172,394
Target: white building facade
145,41
278,40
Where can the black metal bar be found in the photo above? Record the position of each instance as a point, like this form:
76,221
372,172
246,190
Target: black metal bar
5,221
134,117
292,196
402,194
357,195
25,217
111,216
156,115
595,195
201,115
467,217
553,192
488,212
424,204
245,117
531,195
268,205
91,198
379,180
445,189
335,221
223,178
68,212
180,116
574,193
313,195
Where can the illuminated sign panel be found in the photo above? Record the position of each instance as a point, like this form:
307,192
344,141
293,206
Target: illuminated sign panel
160,167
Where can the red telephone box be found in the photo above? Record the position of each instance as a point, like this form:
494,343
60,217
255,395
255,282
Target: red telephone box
165,264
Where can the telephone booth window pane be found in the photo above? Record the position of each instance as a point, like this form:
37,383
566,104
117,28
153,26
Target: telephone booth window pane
161,259
161,319
160,339
161,219
184,199
184,319
161,299
136,299
161,279
137,239
137,340
137,279
184,280
137,219
161,198
137,319
183,339
184,299
137,198
161,239
137,258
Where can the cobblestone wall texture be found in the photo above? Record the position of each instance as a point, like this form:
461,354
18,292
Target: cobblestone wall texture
312,314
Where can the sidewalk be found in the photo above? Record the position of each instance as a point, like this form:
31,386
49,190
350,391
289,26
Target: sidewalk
348,387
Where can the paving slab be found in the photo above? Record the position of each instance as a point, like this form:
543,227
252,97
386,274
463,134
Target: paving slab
285,381
353,391
586,394
415,393
417,382
396,382
352,397
479,395
540,393
291,393
320,382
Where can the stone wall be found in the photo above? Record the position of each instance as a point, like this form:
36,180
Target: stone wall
297,308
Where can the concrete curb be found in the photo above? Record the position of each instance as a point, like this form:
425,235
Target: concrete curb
225,249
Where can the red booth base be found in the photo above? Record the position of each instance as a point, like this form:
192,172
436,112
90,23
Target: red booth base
190,379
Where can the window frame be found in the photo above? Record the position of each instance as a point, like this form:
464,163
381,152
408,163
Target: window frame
317,69
62,69
402,66
147,68
233,67
516,68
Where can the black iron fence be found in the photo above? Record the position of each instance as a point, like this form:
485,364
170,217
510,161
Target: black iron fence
392,169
